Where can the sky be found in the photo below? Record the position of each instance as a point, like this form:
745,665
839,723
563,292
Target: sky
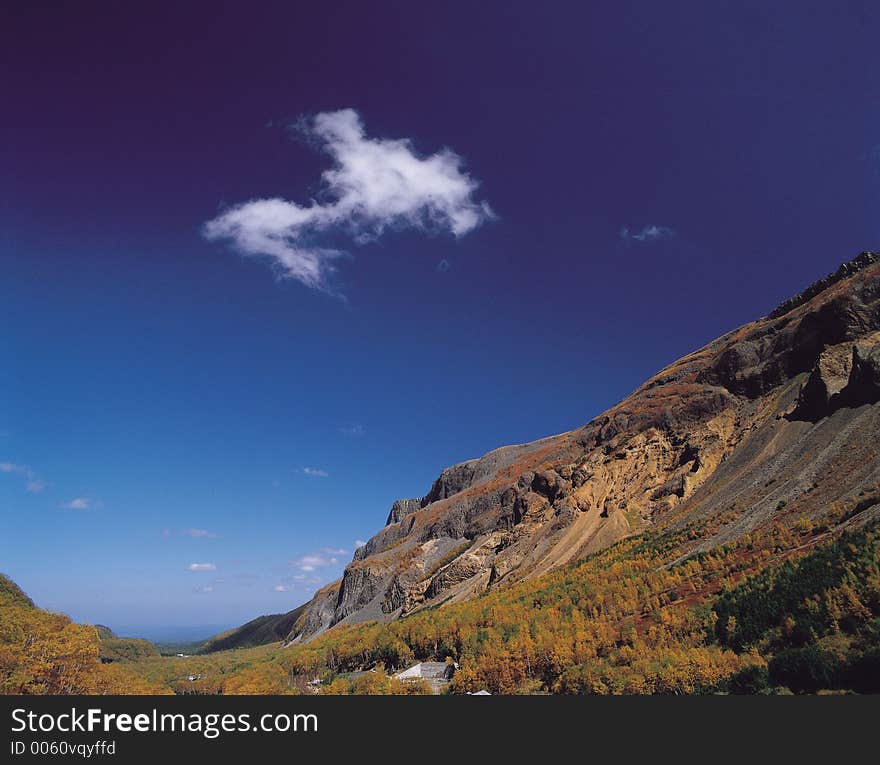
267,267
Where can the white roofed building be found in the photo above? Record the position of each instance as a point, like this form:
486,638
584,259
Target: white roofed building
436,673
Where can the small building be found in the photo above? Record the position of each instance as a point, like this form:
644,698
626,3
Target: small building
436,673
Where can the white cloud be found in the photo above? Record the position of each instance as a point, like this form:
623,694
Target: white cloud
352,429
206,588
315,472
374,184
359,543
200,534
649,233
326,556
311,562
78,503
201,567
281,588
32,484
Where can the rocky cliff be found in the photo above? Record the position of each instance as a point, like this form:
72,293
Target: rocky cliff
784,408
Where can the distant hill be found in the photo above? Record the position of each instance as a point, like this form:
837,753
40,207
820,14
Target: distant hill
126,649
271,628
115,648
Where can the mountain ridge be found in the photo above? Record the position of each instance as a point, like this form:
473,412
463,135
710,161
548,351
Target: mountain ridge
696,435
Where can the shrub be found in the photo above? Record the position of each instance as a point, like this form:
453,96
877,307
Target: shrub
749,681
805,670
863,673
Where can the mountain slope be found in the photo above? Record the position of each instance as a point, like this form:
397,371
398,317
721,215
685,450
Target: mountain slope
11,594
263,630
46,653
776,421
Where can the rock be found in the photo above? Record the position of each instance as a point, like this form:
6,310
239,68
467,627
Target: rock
792,338
361,582
451,481
829,376
403,594
401,508
475,472
318,615
847,269
863,386
550,484
846,375
463,567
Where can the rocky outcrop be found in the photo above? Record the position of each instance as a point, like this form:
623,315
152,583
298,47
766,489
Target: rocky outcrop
476,472
845,375
846,270
360,584
318,615
402,508
864,379
770,423
764,355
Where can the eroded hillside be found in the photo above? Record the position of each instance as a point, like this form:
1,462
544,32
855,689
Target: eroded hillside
771,423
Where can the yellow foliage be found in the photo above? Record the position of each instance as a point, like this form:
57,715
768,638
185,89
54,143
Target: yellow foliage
44,653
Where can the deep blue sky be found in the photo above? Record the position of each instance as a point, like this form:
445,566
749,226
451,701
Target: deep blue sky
174,385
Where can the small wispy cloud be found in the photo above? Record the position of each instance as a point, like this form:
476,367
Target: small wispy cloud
649,233
194,533
205,588
352,429
311,562
201,567
315,472
32,484
282,588
374,184
200,534
326,556
78,503
359,543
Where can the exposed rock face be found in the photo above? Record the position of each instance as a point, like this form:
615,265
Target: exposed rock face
319,614
844,375
864,380
769,423
401,508
828,378
847,269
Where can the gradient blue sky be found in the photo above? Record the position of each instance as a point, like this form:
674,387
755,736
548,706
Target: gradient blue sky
162,395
